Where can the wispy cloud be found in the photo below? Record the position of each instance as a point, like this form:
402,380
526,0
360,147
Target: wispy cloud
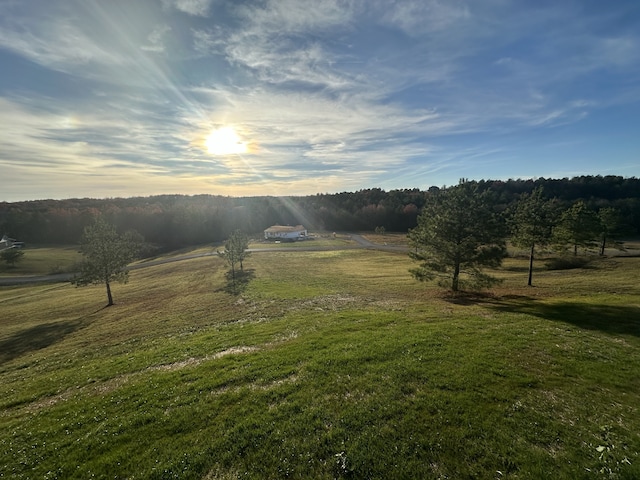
329,94
58,45
156,39
277,41
192,7
424,17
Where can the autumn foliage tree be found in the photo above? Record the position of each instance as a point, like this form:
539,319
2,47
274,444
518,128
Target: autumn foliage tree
458,234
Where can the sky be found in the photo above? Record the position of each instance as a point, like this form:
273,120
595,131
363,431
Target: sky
122,98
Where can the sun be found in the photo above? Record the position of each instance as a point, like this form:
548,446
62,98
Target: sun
225,141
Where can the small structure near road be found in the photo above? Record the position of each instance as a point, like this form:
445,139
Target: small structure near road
286,233
7,242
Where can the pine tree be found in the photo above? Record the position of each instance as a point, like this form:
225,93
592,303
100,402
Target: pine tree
532,224
578,226
457,234
11,256
610,225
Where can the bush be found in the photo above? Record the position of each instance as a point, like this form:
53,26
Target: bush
567,263
11,256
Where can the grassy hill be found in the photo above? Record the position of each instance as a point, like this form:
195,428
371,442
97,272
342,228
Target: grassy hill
43,260
328,365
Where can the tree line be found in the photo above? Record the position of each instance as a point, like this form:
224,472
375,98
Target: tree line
460,230
171,221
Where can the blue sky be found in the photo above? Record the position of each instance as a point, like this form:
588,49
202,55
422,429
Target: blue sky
123,98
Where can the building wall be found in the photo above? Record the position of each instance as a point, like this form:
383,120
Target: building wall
286,235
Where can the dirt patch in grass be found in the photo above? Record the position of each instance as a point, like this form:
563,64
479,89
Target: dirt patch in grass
193,362
338,302
112,384
327,302
256,386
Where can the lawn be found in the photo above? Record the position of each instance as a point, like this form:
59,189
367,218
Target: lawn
331,364
43,260
392,238
313,241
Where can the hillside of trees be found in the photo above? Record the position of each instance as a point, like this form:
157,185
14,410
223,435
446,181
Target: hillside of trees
171,221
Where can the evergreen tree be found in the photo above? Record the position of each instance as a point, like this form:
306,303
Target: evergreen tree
578,226
532,223
457,234
610,224
11,256
106,255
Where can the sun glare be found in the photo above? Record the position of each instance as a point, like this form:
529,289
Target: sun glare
225,141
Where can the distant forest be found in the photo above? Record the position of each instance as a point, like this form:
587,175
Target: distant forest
171,221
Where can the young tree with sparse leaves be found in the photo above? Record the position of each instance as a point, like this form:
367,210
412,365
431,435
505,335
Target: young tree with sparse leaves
457,235
532,224
106,255
240,242
235,251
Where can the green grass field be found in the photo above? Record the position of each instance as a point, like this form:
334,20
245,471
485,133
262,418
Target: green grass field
392,238
327,365
43,260
317,240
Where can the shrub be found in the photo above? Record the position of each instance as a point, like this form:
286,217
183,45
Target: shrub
567,263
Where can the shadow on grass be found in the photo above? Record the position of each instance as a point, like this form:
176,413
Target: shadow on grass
38,337
612,319
237,285
466,298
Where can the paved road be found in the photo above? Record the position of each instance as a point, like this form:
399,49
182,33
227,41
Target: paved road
65,277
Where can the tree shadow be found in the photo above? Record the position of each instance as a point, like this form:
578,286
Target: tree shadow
238,283
39,337
613,319
467,298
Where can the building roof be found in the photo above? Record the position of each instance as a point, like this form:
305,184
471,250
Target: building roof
285,229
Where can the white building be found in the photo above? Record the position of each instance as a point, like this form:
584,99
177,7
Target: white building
6,242
281,232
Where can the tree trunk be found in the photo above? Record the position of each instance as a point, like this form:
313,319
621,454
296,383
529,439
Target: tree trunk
531,264
109,296
233,276
604,241
456,274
